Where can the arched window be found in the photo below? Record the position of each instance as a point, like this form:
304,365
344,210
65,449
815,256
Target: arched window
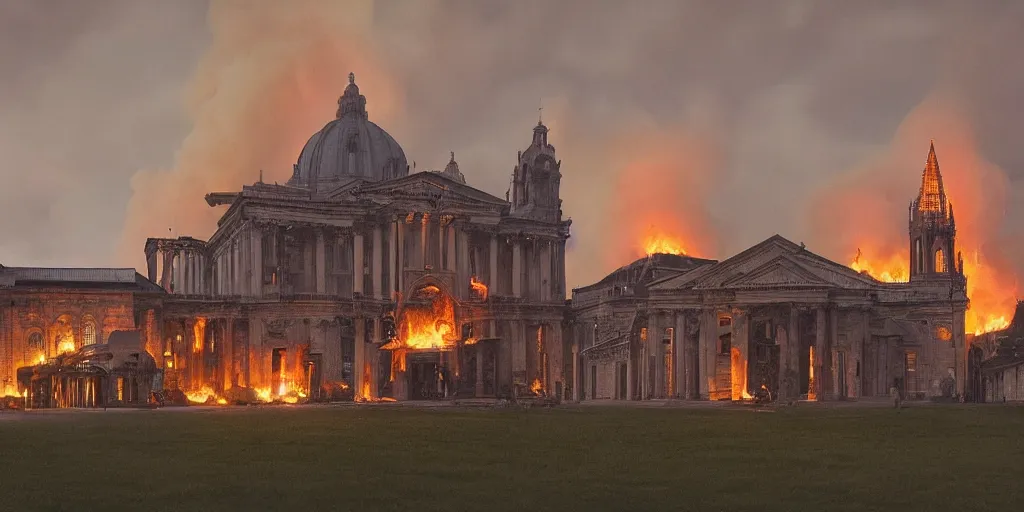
940,261
35,346
89,333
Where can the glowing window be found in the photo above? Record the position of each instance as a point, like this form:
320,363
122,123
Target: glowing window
89,333
940,261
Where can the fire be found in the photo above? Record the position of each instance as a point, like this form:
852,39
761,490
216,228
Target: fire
478,287
10,391
992,299
894,269
41,359
199,333
66,346
366,381
811,394
429,328
738,368
535,387
204,395
658,241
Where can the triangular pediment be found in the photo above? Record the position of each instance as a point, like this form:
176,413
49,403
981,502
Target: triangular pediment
781,272
429,186
775,262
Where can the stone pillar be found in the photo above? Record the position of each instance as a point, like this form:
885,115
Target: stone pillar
321,264
373,357
359,359
357,265
257,261
706,352
831,354
576,372
656,350
492,281
741,342
377,271
631,371
517,269
680,357
423,241
227,348
857,361
479,370
392,261
545,271
400,262
819,352
450,256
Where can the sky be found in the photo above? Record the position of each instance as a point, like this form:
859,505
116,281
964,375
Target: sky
721,122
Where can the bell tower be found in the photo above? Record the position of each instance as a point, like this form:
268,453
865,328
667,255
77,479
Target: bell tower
536,179
933,228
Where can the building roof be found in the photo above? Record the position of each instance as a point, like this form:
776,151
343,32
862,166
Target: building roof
350,146
121,278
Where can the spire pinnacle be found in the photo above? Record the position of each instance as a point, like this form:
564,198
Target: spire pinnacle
351,78
932,197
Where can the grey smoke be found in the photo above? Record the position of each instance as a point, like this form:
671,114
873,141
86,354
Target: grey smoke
788,96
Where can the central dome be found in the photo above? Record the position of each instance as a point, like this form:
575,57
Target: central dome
349,147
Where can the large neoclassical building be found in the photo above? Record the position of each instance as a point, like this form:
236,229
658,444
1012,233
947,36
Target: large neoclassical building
779,316
356,276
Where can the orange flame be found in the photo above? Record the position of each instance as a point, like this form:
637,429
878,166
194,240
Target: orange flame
660,242
429,328
738,369
992,299
199,333
66,346
892,270
536,387
204,395
478,287
811,394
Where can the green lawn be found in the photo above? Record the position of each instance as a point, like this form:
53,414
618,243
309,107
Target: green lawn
593,458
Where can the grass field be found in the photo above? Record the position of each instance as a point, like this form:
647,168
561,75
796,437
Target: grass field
592,458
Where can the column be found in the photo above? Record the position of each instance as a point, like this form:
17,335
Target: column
519,347
819,351
424,239
492,282
321,263
576,372
392,261
450,256
400,262
517,269
462,239
442,230
656,350
256,239
202,275
680,355
228,353
789,349
857,361
479,370
545,271
357,267
706,349
372,357
375,265
186,287
831,353
359,359
631,371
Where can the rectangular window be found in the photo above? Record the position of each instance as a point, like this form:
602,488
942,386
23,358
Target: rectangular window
911,361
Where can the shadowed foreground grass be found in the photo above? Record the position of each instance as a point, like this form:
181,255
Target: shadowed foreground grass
390,458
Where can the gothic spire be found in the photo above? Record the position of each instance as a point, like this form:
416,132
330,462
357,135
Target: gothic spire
932,197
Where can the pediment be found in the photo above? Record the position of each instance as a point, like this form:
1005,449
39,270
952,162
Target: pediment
430,187
781,272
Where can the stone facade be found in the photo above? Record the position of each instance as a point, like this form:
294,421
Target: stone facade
781,319
295,287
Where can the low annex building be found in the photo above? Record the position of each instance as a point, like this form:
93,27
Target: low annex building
778,318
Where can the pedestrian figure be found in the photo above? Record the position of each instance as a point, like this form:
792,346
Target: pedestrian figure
894,392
